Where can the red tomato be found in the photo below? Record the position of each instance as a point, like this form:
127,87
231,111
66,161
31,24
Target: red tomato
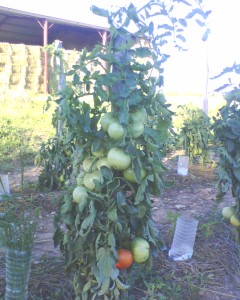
125,259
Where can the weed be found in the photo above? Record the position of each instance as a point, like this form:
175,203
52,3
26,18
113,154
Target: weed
207,228
172,218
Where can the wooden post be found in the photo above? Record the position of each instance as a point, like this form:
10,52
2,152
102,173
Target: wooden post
45,43
59,70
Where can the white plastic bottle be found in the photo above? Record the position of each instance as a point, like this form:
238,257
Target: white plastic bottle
184,238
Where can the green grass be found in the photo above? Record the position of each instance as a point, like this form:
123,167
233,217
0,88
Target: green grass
24,125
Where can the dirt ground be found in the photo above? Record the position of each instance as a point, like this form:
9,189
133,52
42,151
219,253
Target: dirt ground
216,255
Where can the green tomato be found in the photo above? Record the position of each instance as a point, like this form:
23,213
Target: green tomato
79,194
89,179
228,212
115,131
140,249
88,164
130,176
106,120
136,129
68,153
235,221
61,178
102,162
118,159
99,152
139,115
80,178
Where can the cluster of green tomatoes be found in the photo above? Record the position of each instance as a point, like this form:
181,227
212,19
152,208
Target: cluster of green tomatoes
116,158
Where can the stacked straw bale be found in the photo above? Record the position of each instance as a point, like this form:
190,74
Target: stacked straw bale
5,65
22,68
34,69
18,68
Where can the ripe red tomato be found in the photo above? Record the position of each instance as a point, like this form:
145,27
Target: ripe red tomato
125,259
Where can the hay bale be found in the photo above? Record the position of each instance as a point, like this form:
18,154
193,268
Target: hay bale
15,78
4,59
18,49
5,65
5,48
34,69
16,69
41,79
33,50
18,59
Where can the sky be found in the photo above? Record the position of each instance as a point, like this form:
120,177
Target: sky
184,71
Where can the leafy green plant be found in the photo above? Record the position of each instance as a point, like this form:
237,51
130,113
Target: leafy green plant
117,161
55,157
207,228
227,130
196,133
18,222
172,218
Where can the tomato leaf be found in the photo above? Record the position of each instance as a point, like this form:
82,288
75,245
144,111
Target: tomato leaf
123,112
137,167
96,145
88,221
112,215
105,264
114,185
121,200
140,192
107,173
67,206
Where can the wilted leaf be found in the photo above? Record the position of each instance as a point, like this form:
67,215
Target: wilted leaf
88,221
105,264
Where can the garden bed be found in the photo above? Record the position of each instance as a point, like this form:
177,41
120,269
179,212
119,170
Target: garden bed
212,273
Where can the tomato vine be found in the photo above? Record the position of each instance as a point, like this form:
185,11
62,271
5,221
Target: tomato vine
118,169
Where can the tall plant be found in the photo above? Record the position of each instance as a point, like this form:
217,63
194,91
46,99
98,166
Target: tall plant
117,164
227,131
196,133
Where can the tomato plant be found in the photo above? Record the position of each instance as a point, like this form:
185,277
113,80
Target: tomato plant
196,133
124,127
227,132
55,157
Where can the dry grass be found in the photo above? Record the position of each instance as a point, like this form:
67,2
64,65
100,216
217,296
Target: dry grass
214,270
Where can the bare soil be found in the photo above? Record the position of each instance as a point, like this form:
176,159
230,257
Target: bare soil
213,273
